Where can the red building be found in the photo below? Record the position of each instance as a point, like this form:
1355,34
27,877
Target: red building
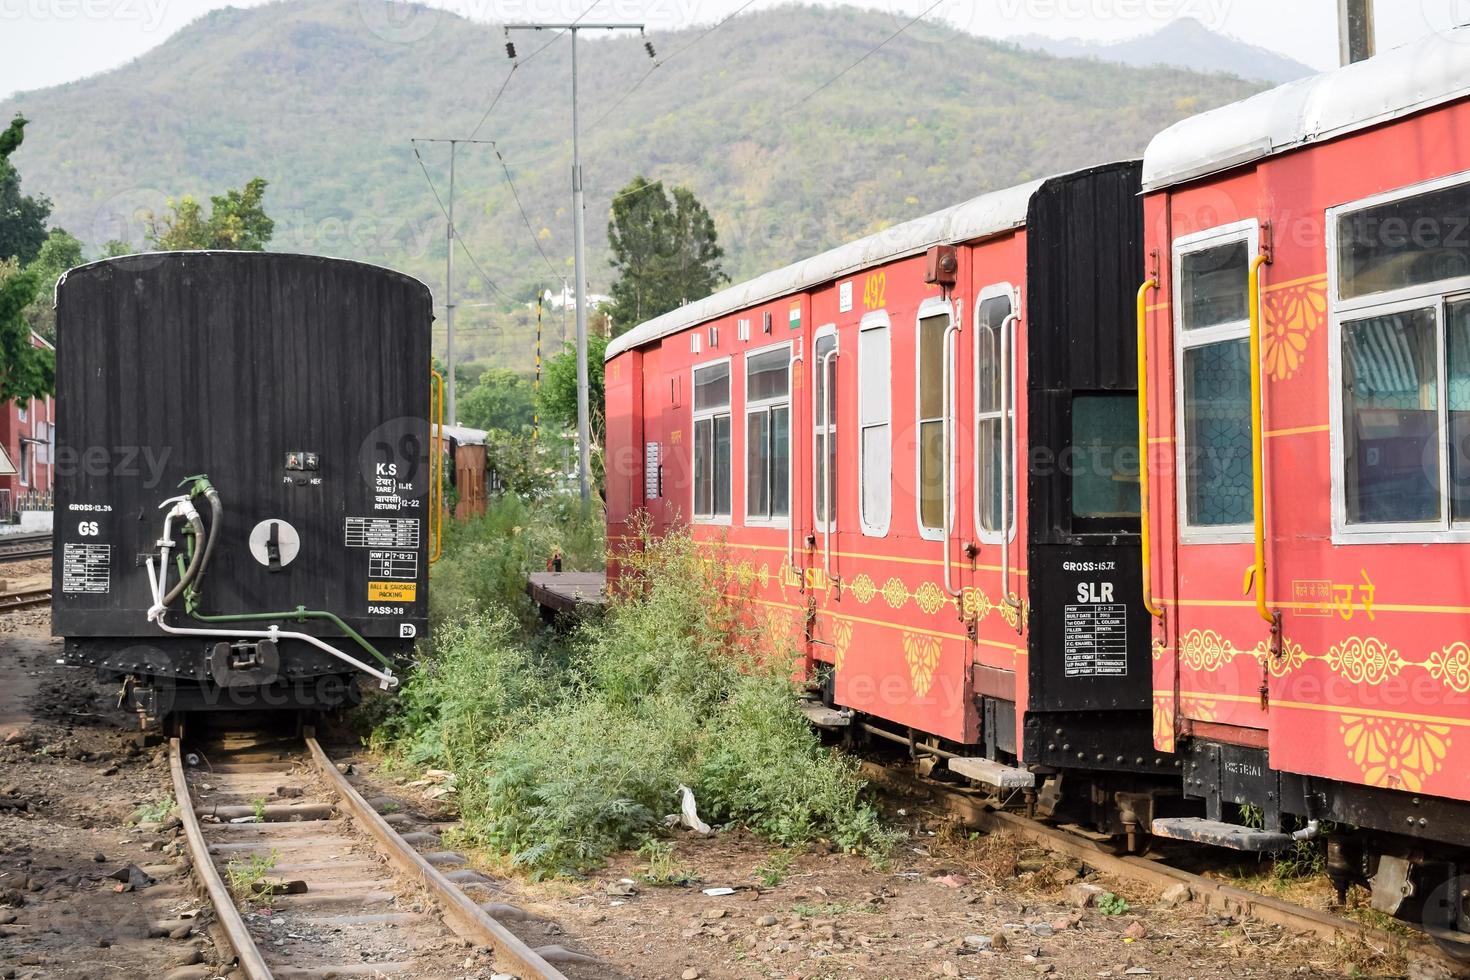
27,445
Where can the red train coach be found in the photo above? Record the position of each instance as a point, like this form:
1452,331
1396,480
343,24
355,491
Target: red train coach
906,445
1308,396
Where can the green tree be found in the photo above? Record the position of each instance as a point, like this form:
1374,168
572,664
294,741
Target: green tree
666,252
499,399
22,218
558,399
114,247
25,371
237,221
61,251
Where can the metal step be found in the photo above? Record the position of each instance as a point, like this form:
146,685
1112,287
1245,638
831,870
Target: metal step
1198,830
993,773
824,717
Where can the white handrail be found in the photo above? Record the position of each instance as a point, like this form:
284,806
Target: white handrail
947,438
1007,467
829,451
791,458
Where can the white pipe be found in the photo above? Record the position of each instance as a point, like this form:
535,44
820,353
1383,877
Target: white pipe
1309,832
157,579
947,392
1007,468
829,450
791,458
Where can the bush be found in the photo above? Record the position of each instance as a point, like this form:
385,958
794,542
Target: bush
567,751
487,559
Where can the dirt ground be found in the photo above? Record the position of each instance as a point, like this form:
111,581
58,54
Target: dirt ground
72,775
947,905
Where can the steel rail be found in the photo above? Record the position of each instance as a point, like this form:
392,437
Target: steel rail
230,920
25,599
977,814
24,546
460,911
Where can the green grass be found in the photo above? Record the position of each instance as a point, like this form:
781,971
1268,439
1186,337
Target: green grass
1110,904
568,749
775,870
663,868
246,877
154,811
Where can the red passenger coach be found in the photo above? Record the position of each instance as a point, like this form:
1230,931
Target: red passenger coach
1308,394
905,446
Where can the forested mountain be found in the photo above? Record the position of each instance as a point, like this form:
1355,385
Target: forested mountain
1184,43
321,98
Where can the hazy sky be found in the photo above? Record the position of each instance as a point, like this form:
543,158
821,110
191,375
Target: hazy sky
44,42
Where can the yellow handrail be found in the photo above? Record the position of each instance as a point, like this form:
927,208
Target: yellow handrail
1256,574
1143,512
436,467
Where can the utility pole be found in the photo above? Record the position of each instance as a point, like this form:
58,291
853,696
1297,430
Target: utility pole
1355,30
580,242
449,235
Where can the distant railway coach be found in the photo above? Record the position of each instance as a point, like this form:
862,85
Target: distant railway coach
905,449
1307,312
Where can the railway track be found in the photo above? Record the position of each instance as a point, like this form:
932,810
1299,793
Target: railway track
346,894
22,547
25,599
975,810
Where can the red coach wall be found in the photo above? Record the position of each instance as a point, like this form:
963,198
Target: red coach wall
1372,681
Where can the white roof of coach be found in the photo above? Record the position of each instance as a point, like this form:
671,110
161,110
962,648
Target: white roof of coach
989,214
1405,80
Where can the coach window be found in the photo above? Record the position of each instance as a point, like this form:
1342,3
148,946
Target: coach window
990,319
1212,337
768,436
1400,268
934,320
875,411
824,429
712,443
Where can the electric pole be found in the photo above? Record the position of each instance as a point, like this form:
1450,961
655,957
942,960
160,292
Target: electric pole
449,236
1355,30
584,432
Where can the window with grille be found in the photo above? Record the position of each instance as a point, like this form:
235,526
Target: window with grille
875,426
712,442
1401,360
824,430
1212,334
768,436
931,411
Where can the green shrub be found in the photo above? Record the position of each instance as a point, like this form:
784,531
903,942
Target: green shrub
568,750
487,559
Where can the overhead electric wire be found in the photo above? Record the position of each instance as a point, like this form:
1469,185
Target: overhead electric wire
455,230
535,239
663,61
793,106
526,60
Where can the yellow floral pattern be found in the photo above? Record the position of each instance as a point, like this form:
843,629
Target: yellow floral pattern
1393,752
895,593
1206,650
841,640
929,597
1364,661
1451,667
1163,723
921,653
1292,315
863,589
